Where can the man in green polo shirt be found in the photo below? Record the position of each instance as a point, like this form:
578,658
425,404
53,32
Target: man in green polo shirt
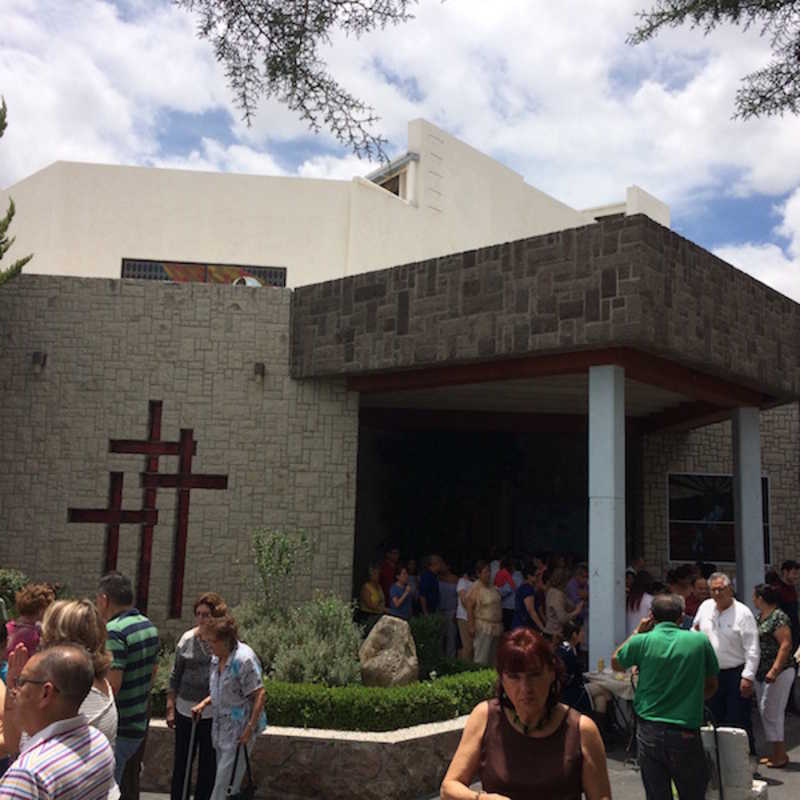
677,672
133,643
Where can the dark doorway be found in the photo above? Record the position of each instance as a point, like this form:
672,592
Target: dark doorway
461,493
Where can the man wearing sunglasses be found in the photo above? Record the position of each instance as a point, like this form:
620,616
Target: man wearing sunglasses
64,758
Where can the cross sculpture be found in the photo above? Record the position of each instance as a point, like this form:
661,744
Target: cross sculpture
151,480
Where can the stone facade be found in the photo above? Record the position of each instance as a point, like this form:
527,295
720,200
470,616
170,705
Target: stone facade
624,281
288,447
298,764
709,450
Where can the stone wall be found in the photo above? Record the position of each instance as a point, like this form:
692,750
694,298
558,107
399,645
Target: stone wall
288,447
624,281
299,764
709,450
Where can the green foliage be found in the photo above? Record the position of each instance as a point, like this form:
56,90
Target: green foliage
428,633
315,642
470,688
158,692
274,49
280,556
455,666
11,580
773,89
5,222
372,708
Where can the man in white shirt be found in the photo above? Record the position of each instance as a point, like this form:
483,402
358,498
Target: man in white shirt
733,633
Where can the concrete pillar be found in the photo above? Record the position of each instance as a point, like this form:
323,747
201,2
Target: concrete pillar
747,508
606,511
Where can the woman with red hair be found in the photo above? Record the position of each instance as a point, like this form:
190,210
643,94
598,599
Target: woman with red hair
524,743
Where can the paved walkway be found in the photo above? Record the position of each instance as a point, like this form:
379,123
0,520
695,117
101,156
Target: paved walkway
784,784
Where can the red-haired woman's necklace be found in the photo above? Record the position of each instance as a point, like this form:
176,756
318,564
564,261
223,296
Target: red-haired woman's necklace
526,728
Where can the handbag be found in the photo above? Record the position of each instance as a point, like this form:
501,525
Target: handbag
245,792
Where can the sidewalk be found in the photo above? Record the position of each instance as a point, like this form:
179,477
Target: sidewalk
784,784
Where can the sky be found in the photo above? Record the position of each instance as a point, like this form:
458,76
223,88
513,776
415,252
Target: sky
549,89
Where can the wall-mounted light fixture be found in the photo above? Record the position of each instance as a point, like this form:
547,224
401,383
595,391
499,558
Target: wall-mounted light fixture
39,359
259,369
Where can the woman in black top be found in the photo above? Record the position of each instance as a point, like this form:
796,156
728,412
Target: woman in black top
582,696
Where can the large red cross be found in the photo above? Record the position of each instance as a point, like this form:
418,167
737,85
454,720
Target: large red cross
184,481
114,516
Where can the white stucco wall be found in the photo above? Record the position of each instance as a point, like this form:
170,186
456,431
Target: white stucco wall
83,219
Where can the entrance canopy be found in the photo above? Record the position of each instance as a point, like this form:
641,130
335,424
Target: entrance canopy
617,326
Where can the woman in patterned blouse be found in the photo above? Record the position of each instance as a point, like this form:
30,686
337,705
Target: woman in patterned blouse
236,697
775,674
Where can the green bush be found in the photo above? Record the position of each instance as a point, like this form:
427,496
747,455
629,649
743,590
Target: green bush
428,633
469,688
455,666
315,642
358,708
11,581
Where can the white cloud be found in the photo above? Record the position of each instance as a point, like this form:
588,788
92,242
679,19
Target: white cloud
214,156
551,89
776,266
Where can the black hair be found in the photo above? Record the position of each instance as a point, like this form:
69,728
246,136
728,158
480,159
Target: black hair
69,667
118,587
570,628
667,608
769,594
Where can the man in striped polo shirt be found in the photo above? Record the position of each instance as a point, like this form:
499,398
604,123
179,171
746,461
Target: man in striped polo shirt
64,758
133,644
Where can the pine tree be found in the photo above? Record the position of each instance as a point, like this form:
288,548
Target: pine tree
5,222
772,90
270,48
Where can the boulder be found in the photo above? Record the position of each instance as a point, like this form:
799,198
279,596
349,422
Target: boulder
388,656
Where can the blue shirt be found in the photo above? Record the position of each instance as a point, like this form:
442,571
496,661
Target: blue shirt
429,589
404,609
522,619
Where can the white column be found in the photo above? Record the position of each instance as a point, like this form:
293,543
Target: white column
606,511
749,520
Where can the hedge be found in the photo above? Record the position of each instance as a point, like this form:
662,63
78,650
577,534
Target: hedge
370,708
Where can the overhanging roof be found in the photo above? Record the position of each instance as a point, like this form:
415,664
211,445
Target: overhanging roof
626,287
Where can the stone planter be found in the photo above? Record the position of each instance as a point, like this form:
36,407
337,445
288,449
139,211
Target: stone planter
298,763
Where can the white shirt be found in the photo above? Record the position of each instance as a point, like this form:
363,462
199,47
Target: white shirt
733,635
463,585
633,616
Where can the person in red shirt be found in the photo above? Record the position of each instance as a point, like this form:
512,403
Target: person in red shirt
506,586
386,575
787,591
31,602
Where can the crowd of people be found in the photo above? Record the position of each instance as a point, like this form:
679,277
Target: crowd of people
75,693
698,652
77,675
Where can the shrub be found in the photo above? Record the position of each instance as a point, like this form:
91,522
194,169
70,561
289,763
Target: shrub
455,666
358,708
470,688
158,692
280,557
316,642
11,581
428,633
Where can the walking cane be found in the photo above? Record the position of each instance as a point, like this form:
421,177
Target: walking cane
188,774
716,749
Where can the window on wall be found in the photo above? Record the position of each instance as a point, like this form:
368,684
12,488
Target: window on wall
701,518
190,272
